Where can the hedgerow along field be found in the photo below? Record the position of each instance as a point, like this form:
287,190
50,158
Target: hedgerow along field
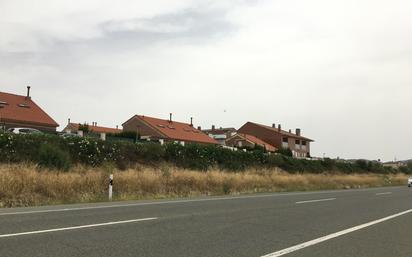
58,153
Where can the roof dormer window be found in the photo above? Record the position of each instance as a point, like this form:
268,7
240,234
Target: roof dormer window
23,105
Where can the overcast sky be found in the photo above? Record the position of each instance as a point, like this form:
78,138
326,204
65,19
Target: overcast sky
340,70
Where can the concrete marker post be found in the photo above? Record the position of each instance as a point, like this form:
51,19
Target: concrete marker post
110,187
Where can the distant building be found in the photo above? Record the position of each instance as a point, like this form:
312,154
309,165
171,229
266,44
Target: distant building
395,164
17,111
248,141
220,134
278,138
74,128
166,130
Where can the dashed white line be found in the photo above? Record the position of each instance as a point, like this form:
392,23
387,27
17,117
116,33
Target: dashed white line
74,228
174,202
315,201
385,193
334,235
182,201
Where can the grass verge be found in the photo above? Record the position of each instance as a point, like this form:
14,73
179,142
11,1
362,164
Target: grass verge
29,185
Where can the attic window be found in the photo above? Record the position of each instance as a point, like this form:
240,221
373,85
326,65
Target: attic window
3,103
23,105
170,127
161,126
187,130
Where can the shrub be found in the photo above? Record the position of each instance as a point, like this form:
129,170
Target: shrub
94,152
124,135
285,151
52,157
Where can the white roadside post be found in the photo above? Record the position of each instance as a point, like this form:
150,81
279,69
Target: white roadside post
111,187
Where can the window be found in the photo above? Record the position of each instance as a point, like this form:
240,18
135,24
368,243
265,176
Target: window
303,145
297,142
285,140
24,105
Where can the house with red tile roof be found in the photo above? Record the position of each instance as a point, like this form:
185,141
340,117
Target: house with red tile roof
275,136
220,134
75,127
248,141
166,130
18,111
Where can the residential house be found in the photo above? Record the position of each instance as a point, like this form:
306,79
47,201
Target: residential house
248,141
166,130
75,127
17,111
395,164
220,134
275,136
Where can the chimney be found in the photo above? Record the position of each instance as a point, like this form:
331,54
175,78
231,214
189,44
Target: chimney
68,121
213,127
199,128
95,123
298,131
117,126
290,131
273,125
191,121
28,92
170,117
279,127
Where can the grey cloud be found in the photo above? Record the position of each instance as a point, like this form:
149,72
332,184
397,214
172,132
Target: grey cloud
192,25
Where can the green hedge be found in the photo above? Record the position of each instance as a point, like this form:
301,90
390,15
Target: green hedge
57,152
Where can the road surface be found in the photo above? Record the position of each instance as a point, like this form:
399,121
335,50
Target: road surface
347,223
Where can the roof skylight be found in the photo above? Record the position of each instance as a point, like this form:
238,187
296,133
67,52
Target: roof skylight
23,105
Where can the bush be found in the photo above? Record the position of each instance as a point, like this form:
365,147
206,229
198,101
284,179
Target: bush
56,152
52,157
285,152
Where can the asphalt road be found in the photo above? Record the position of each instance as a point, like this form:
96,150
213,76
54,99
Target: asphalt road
370,222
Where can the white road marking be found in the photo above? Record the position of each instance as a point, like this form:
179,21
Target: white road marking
334,235
315,201
183,201
385,193
74,228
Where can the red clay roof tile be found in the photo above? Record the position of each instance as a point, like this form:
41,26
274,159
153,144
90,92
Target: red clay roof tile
17,108
283,132
177,130
95,129
257,141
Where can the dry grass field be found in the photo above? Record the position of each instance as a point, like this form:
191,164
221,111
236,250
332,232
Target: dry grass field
28,185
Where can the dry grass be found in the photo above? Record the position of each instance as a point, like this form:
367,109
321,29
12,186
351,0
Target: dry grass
27,185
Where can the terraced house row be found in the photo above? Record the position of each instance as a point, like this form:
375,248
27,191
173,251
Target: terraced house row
19,111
